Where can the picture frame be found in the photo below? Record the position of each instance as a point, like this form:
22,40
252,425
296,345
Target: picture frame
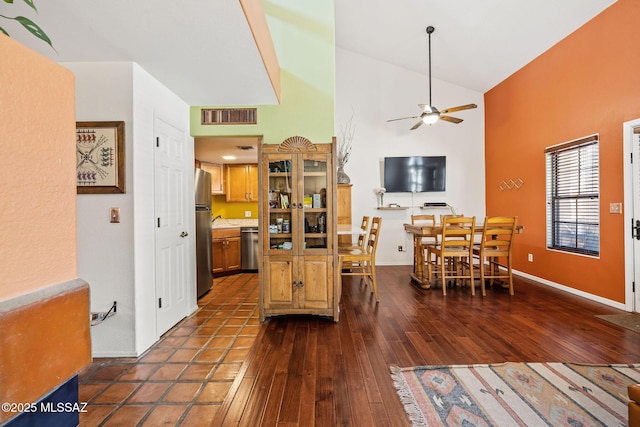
100,157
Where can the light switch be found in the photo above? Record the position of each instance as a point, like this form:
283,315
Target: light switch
615,208
114,214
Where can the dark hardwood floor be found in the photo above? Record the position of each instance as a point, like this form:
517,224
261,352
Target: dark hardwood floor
310,371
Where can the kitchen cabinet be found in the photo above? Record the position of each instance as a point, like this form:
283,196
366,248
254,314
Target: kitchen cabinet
299,241
217,176
241,182
225,250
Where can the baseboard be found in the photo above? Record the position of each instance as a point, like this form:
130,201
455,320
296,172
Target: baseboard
100,354
571,290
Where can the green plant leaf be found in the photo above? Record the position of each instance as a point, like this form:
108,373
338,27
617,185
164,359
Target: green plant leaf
8,1
30,3
3,31
34,29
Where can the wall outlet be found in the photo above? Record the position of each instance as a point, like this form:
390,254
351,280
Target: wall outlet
400,248
530,257
247,214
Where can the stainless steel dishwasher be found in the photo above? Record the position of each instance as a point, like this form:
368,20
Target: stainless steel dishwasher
249,248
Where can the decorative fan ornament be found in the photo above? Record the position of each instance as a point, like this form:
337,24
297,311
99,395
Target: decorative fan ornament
431,114
296,144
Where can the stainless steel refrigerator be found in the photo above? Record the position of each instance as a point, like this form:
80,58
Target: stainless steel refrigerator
203,231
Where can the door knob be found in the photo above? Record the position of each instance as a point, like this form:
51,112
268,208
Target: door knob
184,234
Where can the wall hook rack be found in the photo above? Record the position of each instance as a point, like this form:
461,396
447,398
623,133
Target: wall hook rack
511,184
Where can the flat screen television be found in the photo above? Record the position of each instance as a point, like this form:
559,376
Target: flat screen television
415,174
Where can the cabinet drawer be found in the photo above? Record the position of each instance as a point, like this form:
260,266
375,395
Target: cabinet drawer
222,233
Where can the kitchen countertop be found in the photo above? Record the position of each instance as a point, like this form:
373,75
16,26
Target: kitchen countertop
234,222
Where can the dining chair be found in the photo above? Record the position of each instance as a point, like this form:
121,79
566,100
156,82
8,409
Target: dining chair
496,242
426,242
362,262
456,244
362,237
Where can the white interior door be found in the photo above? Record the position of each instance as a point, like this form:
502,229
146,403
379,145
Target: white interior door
631,132
635,225
173,241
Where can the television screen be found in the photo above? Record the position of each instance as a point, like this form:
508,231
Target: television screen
415,174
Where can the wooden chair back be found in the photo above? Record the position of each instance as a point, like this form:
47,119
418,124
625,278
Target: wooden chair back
362,238
427,220
423,219
372,240
458,233
443,217
497,235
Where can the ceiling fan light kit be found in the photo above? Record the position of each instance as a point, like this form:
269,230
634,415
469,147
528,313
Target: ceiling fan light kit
431,114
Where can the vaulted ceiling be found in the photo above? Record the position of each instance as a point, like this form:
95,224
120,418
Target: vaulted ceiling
203,50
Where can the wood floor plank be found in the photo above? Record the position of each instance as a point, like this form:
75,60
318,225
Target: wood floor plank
311,371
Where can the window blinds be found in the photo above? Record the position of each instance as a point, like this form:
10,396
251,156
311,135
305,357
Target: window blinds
573,196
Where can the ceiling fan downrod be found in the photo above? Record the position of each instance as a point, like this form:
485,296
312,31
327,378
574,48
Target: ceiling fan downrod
430,30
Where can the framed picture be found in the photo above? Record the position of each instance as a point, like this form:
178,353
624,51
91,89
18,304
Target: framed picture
100,157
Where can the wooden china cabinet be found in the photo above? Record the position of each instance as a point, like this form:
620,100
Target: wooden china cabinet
298,245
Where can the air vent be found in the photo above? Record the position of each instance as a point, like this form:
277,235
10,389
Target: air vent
229,116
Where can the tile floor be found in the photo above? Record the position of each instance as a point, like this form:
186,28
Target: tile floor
183,378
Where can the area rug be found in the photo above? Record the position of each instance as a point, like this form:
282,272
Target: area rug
627,320
516,394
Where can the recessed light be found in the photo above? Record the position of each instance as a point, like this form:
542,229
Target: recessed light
229,157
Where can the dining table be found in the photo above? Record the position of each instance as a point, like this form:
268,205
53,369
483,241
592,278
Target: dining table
430,230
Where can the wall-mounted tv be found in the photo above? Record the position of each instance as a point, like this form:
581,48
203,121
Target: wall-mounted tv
415,174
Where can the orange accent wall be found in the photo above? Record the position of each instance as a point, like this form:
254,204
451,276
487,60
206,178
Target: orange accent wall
37,171
44,308
586,84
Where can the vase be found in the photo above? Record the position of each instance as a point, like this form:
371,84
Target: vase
343,178
380,200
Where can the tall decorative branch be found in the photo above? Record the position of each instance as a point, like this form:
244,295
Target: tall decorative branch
345,141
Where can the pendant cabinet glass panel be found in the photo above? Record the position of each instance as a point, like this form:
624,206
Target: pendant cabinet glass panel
298,229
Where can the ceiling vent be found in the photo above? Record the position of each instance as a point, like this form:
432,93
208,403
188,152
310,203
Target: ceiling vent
229,116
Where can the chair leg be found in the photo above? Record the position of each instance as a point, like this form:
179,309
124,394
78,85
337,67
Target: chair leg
482,287
473,286
375,282
510,273
443,275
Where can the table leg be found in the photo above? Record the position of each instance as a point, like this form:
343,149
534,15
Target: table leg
418,263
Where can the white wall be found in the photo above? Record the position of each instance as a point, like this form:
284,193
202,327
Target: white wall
375,92
117,260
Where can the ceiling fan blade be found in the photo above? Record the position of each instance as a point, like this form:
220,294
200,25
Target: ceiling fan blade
403,118
450,119
461,107
417,125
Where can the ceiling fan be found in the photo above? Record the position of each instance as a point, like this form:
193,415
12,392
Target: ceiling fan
431,114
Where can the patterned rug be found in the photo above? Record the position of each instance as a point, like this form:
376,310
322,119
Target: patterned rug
516,394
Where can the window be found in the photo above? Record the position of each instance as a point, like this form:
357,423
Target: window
573,196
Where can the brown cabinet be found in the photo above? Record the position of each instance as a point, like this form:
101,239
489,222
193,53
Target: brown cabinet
241,182
298,237
217,176
343,211
225,253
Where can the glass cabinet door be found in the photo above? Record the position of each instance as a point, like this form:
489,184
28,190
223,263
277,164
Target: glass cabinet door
280,212
314,200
